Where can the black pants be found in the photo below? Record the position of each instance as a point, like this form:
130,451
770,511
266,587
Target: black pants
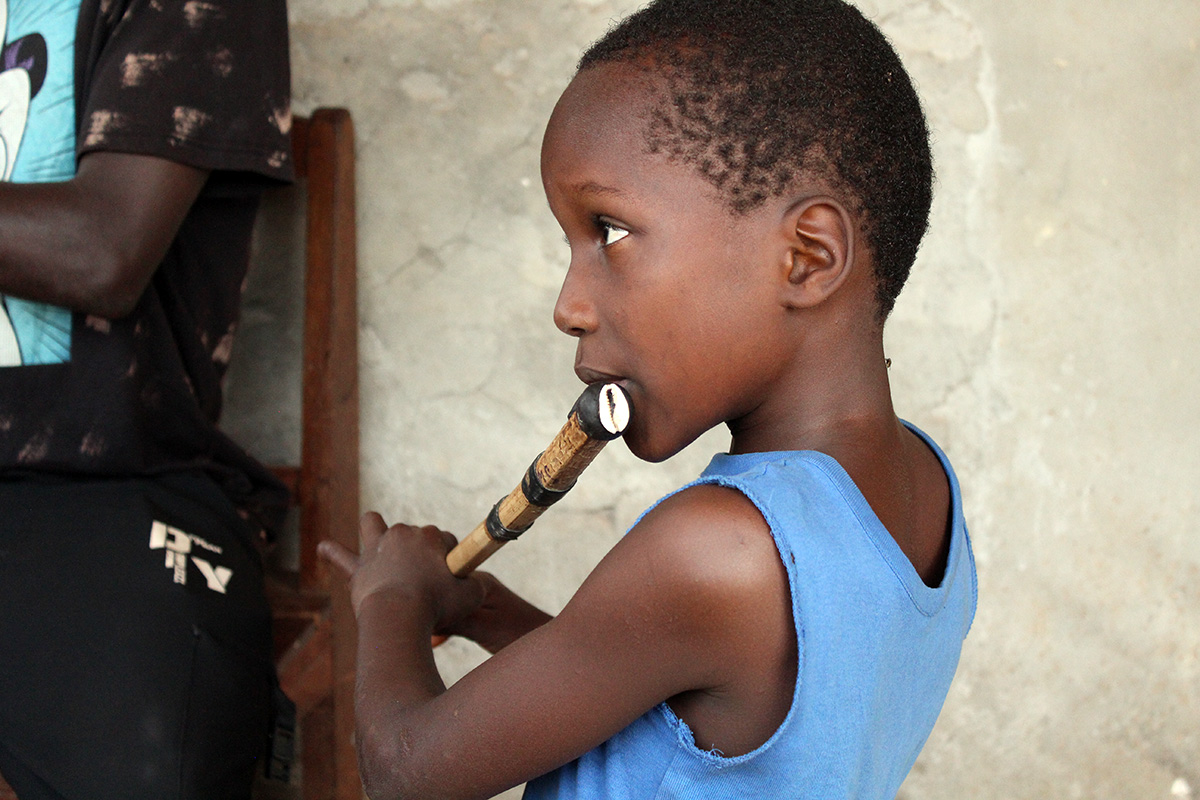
135,655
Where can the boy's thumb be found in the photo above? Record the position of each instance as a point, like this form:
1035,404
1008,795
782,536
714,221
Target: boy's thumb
339,557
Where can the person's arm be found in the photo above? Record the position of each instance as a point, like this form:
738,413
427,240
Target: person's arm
92,243
502,617
676,606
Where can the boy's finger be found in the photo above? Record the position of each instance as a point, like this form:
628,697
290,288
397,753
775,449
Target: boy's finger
370,529
338,556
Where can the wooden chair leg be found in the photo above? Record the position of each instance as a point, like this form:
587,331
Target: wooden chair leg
349,785
316,736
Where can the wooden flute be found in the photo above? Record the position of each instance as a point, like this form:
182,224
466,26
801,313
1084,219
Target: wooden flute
600,415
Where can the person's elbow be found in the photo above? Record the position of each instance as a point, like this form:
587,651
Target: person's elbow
394,765
385,764
111,258
111,281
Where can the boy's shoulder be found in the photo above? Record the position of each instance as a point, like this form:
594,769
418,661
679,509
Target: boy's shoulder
709,549
703,518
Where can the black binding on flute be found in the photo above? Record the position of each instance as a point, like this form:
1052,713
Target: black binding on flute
536,492
496,529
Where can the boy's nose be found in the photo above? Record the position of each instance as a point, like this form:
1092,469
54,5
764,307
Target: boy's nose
574,314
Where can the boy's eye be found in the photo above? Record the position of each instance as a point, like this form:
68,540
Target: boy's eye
610,233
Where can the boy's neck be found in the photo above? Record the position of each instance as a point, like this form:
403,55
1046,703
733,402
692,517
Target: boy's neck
837,401
842,406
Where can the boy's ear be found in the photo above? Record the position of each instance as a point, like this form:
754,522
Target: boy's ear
820,238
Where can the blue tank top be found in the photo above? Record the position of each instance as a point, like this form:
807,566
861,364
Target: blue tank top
877,651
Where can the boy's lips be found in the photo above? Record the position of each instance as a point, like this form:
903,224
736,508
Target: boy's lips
590,376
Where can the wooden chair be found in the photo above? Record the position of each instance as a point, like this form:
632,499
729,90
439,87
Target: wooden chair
314,623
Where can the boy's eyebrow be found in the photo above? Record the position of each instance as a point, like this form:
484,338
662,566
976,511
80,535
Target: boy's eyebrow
591,187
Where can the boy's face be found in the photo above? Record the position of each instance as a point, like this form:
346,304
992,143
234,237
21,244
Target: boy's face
668,292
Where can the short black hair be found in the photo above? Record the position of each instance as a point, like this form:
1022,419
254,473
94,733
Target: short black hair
762,91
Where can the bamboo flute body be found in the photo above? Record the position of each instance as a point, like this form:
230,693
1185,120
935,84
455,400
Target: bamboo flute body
600,415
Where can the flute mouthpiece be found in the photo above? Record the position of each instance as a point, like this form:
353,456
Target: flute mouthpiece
604,410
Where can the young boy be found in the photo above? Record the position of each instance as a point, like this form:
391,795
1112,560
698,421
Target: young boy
743,186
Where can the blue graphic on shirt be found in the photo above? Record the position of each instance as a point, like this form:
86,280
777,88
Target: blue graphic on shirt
37,144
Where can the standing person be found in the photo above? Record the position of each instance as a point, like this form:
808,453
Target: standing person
744,185
136,137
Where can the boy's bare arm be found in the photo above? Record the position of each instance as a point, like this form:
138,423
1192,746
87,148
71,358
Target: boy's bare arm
677,606
92,243
501,619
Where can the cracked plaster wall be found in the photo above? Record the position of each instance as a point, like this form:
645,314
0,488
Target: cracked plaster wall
1045,339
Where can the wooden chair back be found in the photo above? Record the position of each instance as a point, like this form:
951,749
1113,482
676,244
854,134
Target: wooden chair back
314,622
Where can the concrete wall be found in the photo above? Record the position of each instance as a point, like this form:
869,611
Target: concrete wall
1047,340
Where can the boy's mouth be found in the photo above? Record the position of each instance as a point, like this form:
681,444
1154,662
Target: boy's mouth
590,376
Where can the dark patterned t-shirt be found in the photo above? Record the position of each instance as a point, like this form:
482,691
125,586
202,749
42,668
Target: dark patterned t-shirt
201,82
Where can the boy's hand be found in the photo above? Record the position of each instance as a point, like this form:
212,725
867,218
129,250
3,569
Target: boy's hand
410,562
